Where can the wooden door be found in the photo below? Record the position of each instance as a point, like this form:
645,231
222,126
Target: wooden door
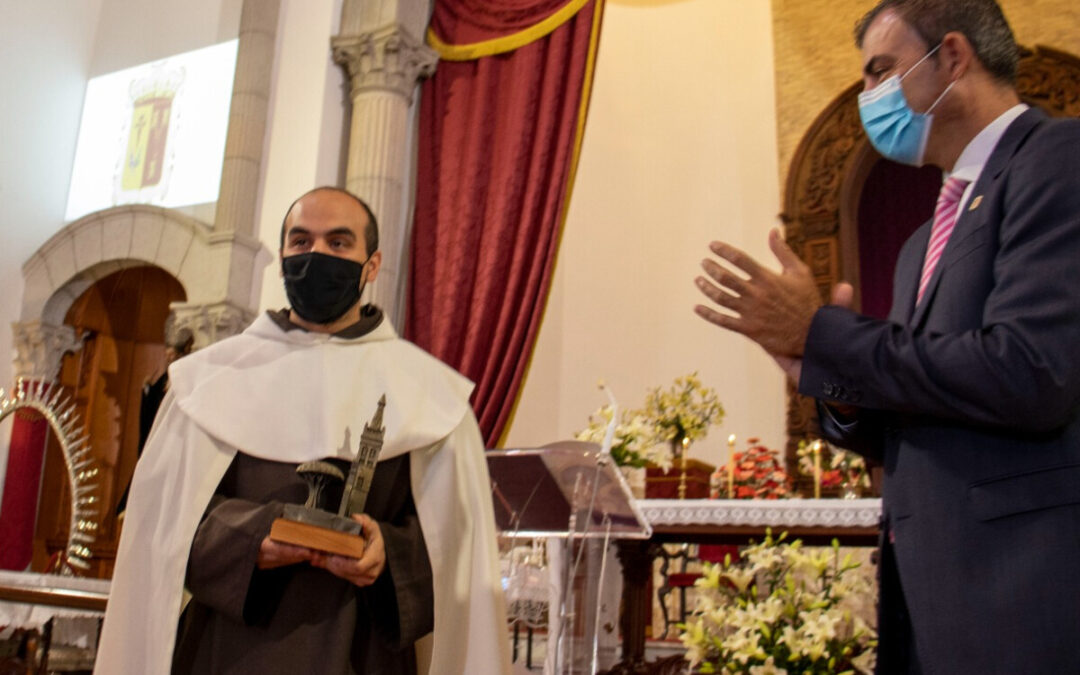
122,319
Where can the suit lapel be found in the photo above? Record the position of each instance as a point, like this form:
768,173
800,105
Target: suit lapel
908,269
970,219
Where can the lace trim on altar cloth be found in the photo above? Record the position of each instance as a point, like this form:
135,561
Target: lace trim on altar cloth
778,513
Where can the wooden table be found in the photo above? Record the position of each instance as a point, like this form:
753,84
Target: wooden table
854,522
51,590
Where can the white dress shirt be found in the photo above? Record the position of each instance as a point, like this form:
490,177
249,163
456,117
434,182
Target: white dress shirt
970,164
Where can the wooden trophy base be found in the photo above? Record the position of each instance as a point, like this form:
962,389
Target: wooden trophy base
318,538
319,530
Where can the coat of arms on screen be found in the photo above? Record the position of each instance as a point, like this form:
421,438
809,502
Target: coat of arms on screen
143,172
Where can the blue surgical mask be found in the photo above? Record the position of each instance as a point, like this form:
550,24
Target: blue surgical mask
894,129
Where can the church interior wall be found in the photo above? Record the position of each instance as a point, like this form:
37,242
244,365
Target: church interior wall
45,53
1053,23
680,149
697,109
131,32
50,49
306,141
48,52
816,58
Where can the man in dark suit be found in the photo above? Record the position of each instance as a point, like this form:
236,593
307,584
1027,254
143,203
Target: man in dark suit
970,392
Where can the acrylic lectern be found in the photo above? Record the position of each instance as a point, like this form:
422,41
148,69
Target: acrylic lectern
572,494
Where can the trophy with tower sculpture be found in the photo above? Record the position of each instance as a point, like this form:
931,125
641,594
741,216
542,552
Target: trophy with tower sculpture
310,524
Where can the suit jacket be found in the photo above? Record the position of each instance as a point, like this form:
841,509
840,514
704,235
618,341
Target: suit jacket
971,399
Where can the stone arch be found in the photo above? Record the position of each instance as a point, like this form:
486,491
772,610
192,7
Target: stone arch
221,273
830,166
106,241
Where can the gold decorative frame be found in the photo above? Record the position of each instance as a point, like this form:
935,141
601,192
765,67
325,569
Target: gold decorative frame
827,175
59,412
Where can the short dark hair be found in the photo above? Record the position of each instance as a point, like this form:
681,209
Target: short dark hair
371,232
980,21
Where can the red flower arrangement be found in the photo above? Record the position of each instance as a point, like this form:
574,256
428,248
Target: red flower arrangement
758,475
831,478
845,469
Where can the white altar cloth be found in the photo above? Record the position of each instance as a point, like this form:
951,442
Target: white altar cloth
762,512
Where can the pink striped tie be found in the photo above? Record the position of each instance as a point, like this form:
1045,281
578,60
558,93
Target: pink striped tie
944,221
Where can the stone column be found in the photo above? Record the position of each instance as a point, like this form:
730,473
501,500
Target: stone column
211,322
247,117
234,243
39,349
381,50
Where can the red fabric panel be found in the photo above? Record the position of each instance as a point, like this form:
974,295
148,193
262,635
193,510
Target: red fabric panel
466,21
22,483
678,579
717,552
894,202
495,150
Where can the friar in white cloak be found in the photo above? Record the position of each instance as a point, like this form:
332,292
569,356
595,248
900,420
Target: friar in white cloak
297,386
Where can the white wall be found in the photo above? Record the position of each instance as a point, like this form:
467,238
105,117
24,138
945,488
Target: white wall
680,149
132,32
50,48
45,52
307,117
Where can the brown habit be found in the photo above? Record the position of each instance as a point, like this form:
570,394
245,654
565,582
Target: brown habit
299,619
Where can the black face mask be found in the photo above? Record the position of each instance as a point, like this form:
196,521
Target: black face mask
320,287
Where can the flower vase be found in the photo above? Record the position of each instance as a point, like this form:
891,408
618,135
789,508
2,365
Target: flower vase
680,447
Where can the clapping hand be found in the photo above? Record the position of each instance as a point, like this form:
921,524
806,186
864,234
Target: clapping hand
772,309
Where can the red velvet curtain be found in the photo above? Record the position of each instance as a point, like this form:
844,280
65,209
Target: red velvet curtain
497,147
22,483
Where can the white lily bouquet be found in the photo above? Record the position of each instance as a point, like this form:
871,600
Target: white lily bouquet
782,609
684,411
634,443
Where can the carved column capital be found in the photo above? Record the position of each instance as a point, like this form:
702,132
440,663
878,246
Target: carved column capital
388,59
212,322
40,347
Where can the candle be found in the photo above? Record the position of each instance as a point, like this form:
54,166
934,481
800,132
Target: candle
682,473
731,467
817,469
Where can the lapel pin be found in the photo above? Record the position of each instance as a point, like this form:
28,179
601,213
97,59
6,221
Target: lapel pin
975,203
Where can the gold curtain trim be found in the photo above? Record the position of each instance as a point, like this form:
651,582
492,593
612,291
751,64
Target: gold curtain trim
507,43
583,110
